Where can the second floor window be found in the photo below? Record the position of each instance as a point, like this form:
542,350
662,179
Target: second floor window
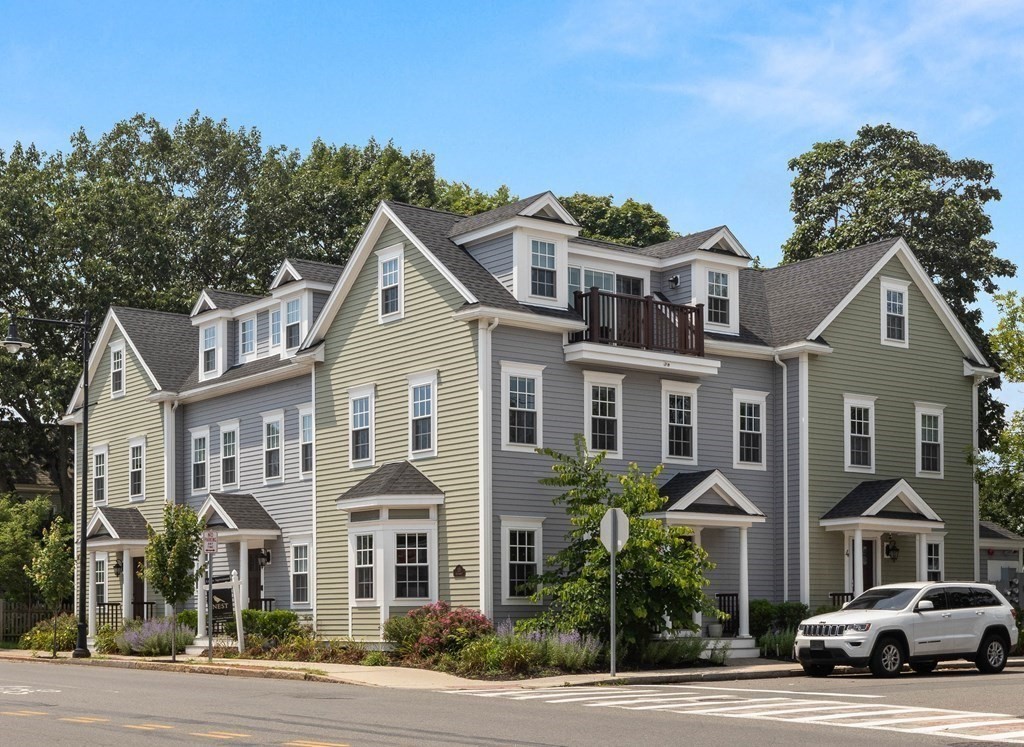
522,410
422,422
293,323
209,349
136,466
361,424
718,297
99,476
680,426
199,463
116,371
604,418
542,269
247,336
860,433
306,442
929,439
749,413
228,457
271,449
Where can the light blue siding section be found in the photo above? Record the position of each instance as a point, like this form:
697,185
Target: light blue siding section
683,293
496,257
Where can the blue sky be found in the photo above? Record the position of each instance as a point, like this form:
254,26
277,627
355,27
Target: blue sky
694,107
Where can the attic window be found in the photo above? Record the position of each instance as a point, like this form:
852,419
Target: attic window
894,312
209,349
116,371
718,297
293,323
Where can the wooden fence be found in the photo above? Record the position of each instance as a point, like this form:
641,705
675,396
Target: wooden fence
16,619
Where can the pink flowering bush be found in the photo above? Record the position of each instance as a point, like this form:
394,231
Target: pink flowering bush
436,629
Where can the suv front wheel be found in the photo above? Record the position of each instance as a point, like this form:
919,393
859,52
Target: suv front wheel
887,659
992,654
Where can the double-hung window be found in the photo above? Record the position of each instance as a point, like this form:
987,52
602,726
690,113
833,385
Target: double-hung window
929,439
542,269
273,434
603,416
247,337
117,370
389,282
209,351
360,410
679,422
895,329
228,453
749,410
275,328
718,297
306,440
423,414
521,557
933,561
364,567
521,416
300,574
293,323
99,475
200,460
412,566
859,414
137,469
100,580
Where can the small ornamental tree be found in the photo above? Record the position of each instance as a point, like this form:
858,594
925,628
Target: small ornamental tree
52,569
662,573
171,560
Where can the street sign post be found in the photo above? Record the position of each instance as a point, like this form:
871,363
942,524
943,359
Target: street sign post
210,548
614,535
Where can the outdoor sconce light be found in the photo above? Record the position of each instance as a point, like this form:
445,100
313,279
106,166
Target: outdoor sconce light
674,280
264,558
892,551
118,568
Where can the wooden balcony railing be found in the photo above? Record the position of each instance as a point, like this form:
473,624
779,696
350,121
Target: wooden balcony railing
639,322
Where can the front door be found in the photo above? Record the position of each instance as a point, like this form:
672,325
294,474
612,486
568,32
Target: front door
868,554
138,589
255,581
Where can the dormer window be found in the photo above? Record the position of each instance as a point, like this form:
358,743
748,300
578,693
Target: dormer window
293,323
247,336
275,328
209,350
718,297
542,269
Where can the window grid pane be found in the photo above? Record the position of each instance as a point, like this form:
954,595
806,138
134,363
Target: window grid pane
275,328
248,335
422,410
522,414
135,471
300,573
227,457
412,567
931,460
364,566
199,463
293,318
750,432
604,420
117,371
522,562
934,564
718,297
389,279
895,319
542,269
360,428
680,426
272,450
860,436
209,349
306,440
99,476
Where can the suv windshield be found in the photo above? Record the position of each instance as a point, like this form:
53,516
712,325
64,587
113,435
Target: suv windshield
883,599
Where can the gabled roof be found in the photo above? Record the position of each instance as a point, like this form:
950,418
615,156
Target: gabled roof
524,207
238,371
212,298
707,240
685,488
871,498
318,272
124,524
238,511
991,530
394,479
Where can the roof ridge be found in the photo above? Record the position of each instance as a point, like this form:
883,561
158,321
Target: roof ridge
149,311
429,209
837,253
687,235
312,262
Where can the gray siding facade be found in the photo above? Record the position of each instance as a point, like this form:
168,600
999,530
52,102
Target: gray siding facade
496,257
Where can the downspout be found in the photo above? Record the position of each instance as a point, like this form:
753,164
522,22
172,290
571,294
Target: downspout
785,478
484,471
805,488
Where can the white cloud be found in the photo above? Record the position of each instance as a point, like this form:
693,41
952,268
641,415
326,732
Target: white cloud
635,28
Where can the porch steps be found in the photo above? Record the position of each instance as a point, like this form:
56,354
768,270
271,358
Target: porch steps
739,648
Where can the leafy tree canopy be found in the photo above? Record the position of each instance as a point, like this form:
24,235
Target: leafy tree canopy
886,182
21,527
52,569
1000,475
633,223
171,558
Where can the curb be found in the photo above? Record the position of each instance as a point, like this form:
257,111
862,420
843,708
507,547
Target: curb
225,670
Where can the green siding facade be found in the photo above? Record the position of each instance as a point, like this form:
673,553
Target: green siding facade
930,370
359,350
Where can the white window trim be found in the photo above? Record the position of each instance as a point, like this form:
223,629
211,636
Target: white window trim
903,286
132,443
118,347
226,427
280,329
244,357
699,288
868,402
522,263
358,392
940,540
396,251
749,396
303,316
427,377
192,436
376,531
272,416
308,544
558,281
927,408
418,526
219,328
304,411
105,451
669,386
533,524
600,378
384,530
536,373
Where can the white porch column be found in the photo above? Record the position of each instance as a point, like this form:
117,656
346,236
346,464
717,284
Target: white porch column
858,562
243,573
698,618
126,585
922,556
201,604
91,594
744,597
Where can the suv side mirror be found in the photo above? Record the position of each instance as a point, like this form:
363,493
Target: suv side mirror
925,604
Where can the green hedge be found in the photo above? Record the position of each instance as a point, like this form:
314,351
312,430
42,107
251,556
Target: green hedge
768,616
275,625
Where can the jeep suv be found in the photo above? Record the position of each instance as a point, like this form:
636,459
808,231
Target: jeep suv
919,624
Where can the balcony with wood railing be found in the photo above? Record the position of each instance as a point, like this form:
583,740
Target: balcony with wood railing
641,322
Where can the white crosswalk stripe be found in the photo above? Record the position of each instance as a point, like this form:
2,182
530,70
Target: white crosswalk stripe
814,708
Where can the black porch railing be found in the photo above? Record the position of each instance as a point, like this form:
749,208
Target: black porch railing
639,322
109,613
730,605
839,598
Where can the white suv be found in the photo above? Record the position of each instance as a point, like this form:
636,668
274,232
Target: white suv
917,623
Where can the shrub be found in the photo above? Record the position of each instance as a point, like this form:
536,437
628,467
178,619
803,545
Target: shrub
762,617
106,640
824,609
572,652
40,638
276,625
437,629
792,614
778,644
672,652
375,659
303,645
190,619
152,637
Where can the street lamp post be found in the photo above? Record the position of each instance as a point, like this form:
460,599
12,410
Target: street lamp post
14,344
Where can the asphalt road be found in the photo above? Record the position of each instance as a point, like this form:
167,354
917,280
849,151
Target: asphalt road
52,704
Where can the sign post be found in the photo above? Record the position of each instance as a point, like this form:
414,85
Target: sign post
210,547
614,534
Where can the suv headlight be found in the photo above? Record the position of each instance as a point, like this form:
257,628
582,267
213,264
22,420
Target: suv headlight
858,627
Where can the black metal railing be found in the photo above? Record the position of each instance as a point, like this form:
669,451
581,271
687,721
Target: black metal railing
143,610
639,322
109,614
839,598
730,605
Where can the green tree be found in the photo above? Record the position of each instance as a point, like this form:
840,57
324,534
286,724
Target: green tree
172,560
632,223
662,574
1000,476
459,197
52,569
21,526
886,182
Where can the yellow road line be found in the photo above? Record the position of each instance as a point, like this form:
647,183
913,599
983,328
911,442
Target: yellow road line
147,727
85,720
310,743
22,713
211,735
229,734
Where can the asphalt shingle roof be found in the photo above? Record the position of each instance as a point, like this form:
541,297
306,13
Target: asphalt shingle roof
127,523
260,365
683,244
469,223
318,272
684,483
991,530
229,299
245,511
168,343
397,478
863,497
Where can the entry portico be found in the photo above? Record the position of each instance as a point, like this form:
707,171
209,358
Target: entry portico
122,532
